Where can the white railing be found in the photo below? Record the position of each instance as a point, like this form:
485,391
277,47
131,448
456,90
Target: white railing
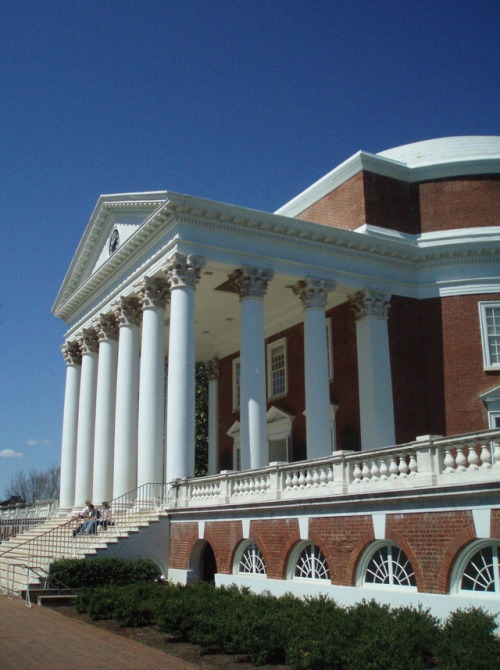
64,541
464,459
16,519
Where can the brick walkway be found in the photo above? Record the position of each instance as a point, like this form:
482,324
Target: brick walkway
42,639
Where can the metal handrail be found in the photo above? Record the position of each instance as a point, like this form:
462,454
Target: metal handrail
64,541
16,519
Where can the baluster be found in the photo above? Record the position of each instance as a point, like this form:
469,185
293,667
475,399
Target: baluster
449,461
485,457
365,471
412,466
329,475
251,485
403,467
496,454
383,470
393,468
315,478
374,471
309,479
473,458
288,481
295,480
460,460
302,480
323,477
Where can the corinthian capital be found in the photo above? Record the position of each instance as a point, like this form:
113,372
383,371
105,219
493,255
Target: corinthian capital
71,353
154,292
184,271
107,327
88,341
370,303
128,311
313,292
212,368
251,282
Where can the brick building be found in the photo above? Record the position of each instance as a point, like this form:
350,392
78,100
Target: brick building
352,340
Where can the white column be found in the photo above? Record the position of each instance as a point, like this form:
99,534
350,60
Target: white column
107,330
183,274
128,316
73,358
86,417
313,294
252,285
376,405
212,368
153,296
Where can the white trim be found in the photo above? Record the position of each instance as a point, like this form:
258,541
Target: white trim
236,385
271,347
482,522
483,307
461,563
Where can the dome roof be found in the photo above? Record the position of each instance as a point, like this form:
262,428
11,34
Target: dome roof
445,150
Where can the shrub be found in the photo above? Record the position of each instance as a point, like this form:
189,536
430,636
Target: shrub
85,572
468,641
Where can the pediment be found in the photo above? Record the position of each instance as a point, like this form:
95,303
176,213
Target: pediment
116,217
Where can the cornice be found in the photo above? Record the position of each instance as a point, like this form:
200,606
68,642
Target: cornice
368,244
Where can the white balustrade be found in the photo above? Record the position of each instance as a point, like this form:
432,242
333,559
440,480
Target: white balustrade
423,463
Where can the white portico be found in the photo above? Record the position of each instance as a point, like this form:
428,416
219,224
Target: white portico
161,280
157,278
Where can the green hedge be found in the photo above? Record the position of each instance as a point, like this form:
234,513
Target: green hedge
311,634
81,572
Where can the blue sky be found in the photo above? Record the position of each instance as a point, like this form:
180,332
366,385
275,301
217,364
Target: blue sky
246,102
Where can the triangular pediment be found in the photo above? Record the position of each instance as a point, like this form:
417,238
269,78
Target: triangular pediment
114,221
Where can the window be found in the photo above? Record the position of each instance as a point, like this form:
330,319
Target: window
329,348
308,562
478,569
249,560
277,381
236,383
489,313
387,564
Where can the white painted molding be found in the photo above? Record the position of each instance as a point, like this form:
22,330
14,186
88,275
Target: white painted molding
378,521
245,528
304,527
201,530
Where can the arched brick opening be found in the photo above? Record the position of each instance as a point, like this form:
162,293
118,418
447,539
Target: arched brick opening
202,562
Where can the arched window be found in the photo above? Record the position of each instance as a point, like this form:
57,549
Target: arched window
248,560
477,569
386,564
308,562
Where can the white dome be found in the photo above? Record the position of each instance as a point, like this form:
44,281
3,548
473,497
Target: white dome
444,150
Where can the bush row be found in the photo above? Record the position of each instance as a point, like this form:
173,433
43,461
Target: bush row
312,634
77,572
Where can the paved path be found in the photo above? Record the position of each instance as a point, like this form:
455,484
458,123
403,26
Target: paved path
39,638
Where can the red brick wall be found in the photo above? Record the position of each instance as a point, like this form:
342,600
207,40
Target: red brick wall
462,202
391,203
463,378
431,540
342,208
182,537
444,204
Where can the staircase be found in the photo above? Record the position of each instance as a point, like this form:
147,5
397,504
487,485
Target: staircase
25,559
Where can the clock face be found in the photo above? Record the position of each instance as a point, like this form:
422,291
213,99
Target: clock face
114,241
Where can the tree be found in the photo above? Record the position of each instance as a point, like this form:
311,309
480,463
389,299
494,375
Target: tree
201,411
35,485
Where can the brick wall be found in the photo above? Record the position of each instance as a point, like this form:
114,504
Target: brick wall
431,540
342,208
469,202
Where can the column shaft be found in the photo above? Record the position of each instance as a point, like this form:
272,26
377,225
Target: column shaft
376,404
105,411
150,464
70,426
213,415
127,394
183,274
86,419
313,294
